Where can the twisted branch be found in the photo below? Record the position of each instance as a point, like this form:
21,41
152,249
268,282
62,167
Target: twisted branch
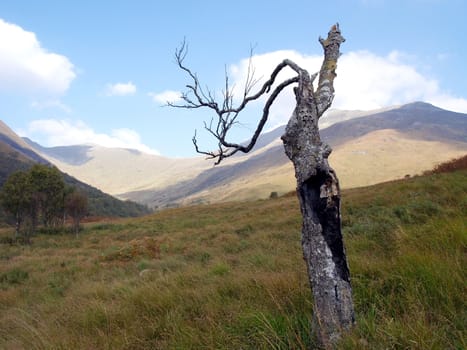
227,113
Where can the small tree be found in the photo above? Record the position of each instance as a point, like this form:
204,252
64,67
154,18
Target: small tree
76,205
34,196
16,198
317,183
48,194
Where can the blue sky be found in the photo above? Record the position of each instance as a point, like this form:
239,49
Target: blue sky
97,71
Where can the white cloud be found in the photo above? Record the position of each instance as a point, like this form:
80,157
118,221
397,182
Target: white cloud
52,103
261,68
26,67
121,89
365,81
55,132
168,96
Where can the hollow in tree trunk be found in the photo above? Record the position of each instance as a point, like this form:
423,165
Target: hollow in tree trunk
319,195
317,183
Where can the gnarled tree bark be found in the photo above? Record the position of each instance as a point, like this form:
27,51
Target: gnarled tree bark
319,194
317,183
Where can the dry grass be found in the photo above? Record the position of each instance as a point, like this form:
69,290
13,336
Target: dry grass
379,156
231,276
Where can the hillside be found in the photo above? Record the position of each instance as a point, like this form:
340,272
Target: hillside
110,168
369,147
16,144
231,276
16,155
418,120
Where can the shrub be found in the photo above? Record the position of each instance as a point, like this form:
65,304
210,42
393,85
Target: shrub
15,276
450,166
245,231
144,247
220,269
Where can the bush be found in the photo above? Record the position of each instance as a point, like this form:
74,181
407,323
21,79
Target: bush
15,276
273,195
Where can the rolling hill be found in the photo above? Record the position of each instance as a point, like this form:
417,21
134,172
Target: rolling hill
16,154
232,276
369,147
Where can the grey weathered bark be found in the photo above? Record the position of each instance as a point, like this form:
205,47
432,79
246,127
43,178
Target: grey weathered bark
317,183
319,194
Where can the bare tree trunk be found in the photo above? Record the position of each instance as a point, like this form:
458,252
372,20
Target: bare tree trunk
17,226
319,195
317,184
76,221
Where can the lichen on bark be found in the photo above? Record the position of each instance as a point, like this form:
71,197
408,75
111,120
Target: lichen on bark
317,183
322,242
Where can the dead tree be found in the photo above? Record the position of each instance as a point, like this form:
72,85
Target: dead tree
317,183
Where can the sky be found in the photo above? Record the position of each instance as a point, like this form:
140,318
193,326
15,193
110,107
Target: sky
101,72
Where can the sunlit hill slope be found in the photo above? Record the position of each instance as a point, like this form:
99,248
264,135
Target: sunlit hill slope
369,147
17,155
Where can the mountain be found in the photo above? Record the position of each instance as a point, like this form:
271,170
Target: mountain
368,147
334,116
75,155
417,120
119,170
17,154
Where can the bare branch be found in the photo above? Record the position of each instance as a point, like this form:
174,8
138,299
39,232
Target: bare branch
317,184
250,81
227,116
202,98
325,90
196,97
245,149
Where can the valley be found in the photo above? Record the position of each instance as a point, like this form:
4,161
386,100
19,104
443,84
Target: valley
369,147
229,273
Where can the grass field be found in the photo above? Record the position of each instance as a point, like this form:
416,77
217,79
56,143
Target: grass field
231,276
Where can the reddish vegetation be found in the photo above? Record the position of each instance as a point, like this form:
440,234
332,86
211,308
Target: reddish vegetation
450,166
141,247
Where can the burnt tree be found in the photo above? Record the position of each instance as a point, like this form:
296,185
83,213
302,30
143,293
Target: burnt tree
317,184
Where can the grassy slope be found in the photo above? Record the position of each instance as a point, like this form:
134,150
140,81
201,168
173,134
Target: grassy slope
231,276
378,156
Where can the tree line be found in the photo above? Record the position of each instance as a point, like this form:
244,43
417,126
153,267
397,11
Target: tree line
39,196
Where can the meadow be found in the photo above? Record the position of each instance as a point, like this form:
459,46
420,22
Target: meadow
231,276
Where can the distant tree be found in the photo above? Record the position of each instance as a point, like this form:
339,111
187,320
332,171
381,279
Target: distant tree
34,196
16,198
317,184
76,205
48,194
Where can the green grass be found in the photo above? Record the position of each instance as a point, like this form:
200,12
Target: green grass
231,276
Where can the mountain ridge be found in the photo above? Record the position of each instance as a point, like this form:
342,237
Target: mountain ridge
17,155
417,134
